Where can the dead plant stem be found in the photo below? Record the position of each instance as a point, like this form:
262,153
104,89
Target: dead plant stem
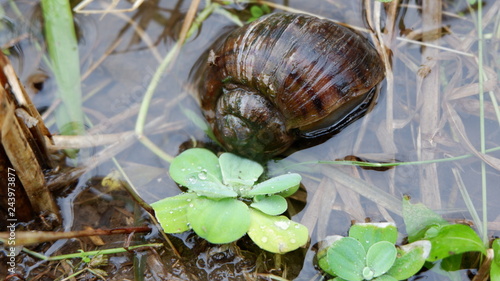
429,95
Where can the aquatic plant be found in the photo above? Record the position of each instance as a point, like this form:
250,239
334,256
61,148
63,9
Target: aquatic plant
224,202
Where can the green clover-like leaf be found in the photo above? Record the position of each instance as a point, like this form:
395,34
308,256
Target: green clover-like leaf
324,245
171,212
276,234
198,169
346,259
379,259
290,191
219,221
371,233
238,171
271,205
385,278
410,259
275,185
210,189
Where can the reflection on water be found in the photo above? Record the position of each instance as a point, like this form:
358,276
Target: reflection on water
427,110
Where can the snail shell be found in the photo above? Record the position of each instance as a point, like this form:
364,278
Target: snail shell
287,76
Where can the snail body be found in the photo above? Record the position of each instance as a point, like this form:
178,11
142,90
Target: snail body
287,76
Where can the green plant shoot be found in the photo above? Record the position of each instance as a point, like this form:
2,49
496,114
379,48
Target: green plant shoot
62,45
449,241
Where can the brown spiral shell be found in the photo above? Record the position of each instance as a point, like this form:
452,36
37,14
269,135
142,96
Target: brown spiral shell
287,76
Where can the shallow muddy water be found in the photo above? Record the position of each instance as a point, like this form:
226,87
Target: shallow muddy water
427,110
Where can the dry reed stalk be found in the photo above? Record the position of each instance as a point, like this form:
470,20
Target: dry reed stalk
119,39
386,42
319,206
429,95
375,194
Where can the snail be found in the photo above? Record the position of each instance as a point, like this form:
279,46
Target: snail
285,77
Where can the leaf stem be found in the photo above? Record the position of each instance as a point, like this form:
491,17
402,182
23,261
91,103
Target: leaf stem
388,164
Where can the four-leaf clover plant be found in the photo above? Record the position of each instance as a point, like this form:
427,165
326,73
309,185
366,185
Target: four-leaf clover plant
224,202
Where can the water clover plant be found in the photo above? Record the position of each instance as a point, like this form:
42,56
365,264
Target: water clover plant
225,202
369,253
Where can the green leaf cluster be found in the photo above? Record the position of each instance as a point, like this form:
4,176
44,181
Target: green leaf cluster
446,239
449,241
369,253
216,208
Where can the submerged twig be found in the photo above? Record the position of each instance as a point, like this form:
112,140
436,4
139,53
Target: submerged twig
35,237
65,142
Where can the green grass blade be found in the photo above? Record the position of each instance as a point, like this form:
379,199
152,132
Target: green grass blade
481,119
468,201
62,46
91,253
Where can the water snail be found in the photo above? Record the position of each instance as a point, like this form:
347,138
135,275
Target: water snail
285,77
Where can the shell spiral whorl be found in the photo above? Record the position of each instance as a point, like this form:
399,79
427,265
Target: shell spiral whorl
286,76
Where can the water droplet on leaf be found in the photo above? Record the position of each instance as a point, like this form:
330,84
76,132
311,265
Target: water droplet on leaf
192,180
202,175
282,224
